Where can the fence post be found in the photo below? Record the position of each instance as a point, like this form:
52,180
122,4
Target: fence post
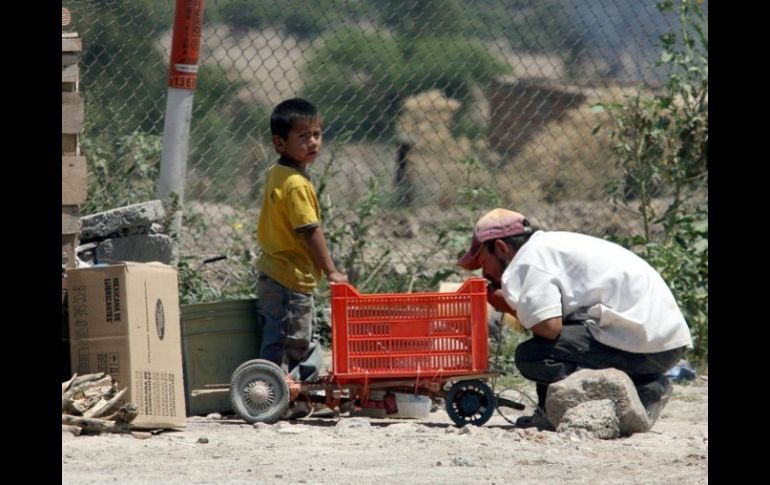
403,183
182,81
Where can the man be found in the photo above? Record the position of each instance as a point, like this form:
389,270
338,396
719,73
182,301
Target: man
590,304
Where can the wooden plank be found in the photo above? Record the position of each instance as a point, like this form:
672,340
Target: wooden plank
74,180
70,219
72,113
74,44
70,77
68,244
70,74
69,60
92,424
70,145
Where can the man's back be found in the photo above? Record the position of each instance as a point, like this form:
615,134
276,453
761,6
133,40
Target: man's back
564,273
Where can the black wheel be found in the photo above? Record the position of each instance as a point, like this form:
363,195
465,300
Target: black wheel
259,392
470,402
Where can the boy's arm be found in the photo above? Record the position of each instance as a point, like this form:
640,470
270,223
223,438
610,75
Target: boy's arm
316,242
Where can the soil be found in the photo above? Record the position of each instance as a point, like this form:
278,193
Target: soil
329,449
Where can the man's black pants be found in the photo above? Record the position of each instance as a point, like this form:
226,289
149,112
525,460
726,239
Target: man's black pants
545,361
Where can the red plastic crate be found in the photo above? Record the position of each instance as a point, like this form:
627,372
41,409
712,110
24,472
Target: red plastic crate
409,335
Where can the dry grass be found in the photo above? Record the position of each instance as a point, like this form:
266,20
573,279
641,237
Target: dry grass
566,161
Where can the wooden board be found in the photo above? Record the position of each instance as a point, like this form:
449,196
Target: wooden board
74,180
72,113
70,219
70,145
72,44
70,74
68,244
69,60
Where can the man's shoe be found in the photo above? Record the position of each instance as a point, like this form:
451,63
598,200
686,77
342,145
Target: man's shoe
537,420
656,407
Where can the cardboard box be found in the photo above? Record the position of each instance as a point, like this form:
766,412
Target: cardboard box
124,320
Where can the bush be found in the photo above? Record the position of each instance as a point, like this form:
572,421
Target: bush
362,78
122,171
661,144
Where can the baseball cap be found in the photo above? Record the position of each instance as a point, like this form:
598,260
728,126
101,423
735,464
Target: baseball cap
495,224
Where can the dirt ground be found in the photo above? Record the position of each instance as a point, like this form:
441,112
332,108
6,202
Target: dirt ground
343,449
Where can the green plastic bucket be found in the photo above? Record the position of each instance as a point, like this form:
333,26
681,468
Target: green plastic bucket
217,337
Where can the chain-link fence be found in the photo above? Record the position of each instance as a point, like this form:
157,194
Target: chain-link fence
435,111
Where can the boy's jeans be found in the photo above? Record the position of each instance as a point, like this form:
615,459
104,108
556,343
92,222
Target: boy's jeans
287,335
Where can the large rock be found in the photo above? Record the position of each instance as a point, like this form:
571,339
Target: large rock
598,418
591,385
142,249
123,221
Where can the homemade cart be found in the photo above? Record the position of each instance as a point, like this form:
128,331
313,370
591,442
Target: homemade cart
430,344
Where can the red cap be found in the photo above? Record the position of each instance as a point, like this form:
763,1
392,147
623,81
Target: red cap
495,224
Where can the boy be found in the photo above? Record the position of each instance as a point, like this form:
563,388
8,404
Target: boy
294,250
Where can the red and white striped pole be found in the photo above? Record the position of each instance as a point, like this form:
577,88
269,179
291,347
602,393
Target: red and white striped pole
182,81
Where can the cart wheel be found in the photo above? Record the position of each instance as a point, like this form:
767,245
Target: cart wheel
259,392
470,402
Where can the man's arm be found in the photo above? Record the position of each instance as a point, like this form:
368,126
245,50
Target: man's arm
549,329
495,298
319,251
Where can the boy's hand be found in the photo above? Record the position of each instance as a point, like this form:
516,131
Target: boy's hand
337,277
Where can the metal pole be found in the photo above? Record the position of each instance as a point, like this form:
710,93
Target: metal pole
182,81
403,182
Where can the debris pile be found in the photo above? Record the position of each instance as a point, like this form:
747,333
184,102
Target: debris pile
92,404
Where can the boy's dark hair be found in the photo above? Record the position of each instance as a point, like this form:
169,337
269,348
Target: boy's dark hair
289,112
517,241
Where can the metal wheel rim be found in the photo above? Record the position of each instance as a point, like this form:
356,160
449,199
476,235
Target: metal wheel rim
259,395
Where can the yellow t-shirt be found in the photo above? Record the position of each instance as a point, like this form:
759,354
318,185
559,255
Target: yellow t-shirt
289,204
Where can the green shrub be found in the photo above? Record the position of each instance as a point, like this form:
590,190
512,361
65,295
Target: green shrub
362,78
661,143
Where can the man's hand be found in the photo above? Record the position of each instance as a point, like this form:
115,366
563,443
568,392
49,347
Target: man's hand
495,298
337,277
